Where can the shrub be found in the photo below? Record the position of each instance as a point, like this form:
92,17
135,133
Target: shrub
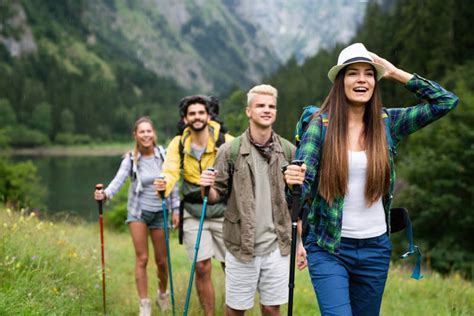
72,139
4,139
116,213
22,136
20,185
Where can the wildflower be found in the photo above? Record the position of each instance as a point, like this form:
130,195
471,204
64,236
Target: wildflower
39,225
55,290
9,211
97,286
34,257
32,214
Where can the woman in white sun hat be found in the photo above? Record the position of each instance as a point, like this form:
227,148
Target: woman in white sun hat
350,178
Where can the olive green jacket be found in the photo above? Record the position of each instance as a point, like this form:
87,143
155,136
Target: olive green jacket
239,218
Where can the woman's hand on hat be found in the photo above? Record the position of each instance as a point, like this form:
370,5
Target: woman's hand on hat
390,69
391,72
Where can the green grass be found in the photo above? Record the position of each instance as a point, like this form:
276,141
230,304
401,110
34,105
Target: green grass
54,269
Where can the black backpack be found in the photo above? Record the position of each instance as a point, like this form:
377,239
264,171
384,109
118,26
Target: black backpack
212,105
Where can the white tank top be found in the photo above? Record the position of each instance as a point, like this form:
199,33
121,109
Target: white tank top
359,221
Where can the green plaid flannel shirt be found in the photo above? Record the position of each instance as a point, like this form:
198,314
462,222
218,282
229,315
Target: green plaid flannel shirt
326,221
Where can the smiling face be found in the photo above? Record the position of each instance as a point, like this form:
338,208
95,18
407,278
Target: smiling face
359,83
262,111
145,135
196,117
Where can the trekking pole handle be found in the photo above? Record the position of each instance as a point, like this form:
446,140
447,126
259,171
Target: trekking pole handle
99,187
293,162
297,162
162,192
207,188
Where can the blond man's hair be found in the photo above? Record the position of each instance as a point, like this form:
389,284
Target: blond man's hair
263,89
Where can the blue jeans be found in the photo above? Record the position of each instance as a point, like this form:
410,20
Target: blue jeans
351,281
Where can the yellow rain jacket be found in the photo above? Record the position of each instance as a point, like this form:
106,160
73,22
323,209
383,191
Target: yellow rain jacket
192,167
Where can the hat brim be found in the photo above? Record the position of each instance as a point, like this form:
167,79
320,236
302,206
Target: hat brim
335,70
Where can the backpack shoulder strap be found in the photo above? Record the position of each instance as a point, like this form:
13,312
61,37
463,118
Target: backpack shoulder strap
133,171
220,139
181,152
234,149
324,125
286,146
162,152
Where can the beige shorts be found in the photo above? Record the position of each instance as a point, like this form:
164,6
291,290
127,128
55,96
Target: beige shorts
268,274
212,242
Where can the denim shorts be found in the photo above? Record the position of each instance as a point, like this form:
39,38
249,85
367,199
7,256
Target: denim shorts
154,220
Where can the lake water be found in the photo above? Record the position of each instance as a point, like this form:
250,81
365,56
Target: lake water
70,181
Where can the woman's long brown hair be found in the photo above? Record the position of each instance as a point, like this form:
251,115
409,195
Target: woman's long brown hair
334,169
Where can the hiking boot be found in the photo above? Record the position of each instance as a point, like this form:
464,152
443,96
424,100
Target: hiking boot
163,300
145,307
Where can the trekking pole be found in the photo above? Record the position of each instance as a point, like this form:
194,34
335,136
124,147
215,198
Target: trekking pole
295,208
165,221
101,224
196,246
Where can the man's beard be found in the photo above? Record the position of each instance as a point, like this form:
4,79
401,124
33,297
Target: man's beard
191,126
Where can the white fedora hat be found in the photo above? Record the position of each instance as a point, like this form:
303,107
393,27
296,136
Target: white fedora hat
355,53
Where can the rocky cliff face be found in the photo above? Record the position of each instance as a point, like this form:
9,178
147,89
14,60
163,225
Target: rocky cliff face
205,46
201,44
15,33
301,28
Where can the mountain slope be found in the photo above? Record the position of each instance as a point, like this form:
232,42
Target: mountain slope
200,44
301,28
204,46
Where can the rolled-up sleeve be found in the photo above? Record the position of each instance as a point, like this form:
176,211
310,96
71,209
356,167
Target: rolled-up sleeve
310,152
439,102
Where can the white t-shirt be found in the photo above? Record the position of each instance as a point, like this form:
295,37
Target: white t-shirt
358,220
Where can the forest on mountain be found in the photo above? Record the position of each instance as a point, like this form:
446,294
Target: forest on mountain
79,71
73,90
433,38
